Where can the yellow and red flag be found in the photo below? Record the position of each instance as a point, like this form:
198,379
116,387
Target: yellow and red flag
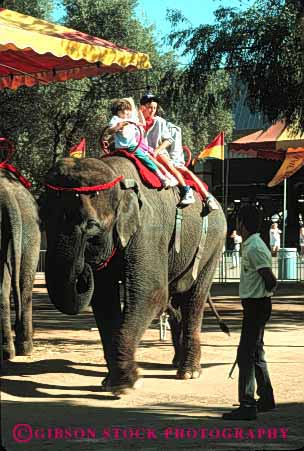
214,150
79,150
294,160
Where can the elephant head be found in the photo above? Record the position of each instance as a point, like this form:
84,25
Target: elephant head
84,227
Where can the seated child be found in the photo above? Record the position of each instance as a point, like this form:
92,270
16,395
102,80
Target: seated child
126,137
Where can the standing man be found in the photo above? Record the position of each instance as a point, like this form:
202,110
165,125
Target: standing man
257,283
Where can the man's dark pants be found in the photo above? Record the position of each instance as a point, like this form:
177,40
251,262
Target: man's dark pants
251,356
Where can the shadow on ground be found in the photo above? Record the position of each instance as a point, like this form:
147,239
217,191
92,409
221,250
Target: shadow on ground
158,426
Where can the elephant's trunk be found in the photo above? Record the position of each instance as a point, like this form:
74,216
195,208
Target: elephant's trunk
69,279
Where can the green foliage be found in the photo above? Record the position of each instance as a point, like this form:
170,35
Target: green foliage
203,114
262,47
37,8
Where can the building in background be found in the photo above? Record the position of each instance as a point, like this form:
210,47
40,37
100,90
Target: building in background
246,178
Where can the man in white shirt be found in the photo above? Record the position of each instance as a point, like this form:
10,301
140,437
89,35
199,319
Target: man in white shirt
257,283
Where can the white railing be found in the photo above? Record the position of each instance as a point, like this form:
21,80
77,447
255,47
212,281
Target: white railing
289,269
226,270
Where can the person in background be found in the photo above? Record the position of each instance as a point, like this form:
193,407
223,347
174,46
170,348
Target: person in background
301,241
237,240
274,239
257,284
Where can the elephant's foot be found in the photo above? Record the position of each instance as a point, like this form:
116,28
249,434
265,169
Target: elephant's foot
9,351
126,390
188,373
105,384
24,347
122,384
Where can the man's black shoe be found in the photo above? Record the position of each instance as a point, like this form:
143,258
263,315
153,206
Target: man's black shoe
265,405
244,412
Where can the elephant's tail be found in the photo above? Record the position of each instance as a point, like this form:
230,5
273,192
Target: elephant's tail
222,324
174,312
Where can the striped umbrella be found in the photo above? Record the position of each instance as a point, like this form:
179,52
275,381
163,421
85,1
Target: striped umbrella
34,51
271,143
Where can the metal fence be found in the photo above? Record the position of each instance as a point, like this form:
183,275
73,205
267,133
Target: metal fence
226,270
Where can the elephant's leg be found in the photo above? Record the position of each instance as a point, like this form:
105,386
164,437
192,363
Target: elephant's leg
146,294
192,309
24,327
176,330
107,314
7,336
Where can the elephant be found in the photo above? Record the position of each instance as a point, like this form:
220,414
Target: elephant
19,254
104,225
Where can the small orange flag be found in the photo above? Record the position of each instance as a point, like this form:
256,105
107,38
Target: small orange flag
214,150
79,150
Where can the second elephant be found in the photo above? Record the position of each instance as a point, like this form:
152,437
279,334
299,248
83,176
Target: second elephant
19,253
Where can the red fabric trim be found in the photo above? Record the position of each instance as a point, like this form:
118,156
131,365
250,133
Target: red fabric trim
15,171
107,261
188,154
86,189
148,177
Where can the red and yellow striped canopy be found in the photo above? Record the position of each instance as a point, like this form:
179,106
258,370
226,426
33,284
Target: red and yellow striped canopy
270,144
35,51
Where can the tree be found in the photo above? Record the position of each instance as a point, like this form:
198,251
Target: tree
262,46
202,114
35,8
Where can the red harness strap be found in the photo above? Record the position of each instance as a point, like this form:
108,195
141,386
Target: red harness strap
86,189
13,170
9,167
107,261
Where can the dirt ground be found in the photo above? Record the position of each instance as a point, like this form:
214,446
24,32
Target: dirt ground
52,400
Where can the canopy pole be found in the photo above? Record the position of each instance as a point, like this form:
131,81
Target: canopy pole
226,186
284,213
223,184
284,228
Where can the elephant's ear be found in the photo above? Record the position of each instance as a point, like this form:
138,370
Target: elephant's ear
128,216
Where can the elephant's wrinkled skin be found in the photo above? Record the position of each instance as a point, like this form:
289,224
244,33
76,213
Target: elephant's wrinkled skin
82,231
19,253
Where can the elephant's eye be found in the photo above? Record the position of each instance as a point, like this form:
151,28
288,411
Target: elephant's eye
94,194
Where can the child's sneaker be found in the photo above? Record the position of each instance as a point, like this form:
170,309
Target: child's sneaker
211,203
188,197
